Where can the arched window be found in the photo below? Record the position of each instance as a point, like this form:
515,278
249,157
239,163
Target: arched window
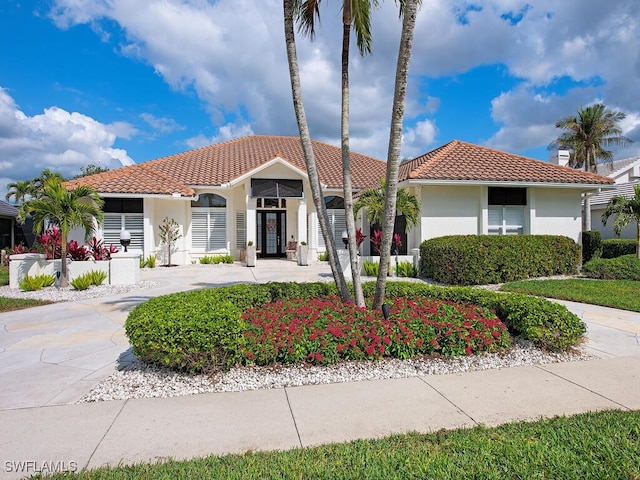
209,223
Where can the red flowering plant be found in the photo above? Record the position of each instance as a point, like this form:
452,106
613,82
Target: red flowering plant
325,331
99,252
51,241
77,252
397,242
376,239
359,237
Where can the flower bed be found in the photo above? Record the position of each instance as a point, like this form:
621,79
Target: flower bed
325,331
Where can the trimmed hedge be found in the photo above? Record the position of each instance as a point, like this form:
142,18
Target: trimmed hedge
591,245
203,330
617,247
483,259
626,267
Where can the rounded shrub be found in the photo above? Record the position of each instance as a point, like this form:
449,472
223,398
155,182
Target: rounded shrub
187,331
483,259
617,247
626,267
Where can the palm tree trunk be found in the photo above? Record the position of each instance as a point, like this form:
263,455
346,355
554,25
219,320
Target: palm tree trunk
307,148
346,163
395,144
637,238
64,280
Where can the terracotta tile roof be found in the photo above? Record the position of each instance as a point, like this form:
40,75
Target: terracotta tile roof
463,161
224,162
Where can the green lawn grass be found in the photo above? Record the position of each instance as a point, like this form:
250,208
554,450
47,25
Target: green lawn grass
623,294
9,304
586,446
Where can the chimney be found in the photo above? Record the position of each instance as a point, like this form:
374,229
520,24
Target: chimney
560,157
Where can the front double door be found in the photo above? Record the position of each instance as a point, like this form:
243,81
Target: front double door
271,229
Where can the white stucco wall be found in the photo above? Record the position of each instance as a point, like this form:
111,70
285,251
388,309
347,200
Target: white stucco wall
555,211
607,231
450,210
177,209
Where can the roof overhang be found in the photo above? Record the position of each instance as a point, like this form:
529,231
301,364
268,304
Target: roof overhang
175,196
496,183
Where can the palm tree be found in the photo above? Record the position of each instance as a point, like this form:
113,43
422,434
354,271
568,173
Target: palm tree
19,190
46,175
290,8
358,13
626,210
584,136
67,209
408,11
372,199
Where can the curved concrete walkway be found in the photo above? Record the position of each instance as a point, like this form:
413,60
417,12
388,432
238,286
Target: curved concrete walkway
51,356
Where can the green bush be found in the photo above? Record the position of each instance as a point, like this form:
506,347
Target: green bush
206,260
192,331
323,257
483,259
545,323
216,259
617,247
626,267
82,282
591,245
370,268
37,282
406,269
203,330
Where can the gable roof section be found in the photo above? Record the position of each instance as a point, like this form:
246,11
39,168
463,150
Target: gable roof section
8,210
461,161
225,162
624,189
617,167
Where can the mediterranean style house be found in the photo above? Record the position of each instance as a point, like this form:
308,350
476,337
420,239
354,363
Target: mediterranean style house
256,189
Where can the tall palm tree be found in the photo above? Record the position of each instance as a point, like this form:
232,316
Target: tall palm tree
408,11
585,136
67,209
372,199
626,210
19,190
40,181
291,8
357,13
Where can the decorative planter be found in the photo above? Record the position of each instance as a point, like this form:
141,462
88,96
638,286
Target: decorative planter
303,255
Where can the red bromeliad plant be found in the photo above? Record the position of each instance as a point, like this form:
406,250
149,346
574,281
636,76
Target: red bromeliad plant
99,252
51,240
359,237
75,251
376,239
325,330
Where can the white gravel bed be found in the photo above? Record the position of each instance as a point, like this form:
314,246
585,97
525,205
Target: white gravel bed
53,294
142,380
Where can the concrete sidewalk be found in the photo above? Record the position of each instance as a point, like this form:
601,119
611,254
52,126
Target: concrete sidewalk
51,356
148,430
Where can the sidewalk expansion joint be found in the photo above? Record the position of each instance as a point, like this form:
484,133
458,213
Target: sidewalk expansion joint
293,417
124,404
458,408
541,367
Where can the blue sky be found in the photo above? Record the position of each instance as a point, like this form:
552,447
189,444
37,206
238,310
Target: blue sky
112,82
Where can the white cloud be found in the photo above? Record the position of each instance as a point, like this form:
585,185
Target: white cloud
225,133
231,53
55,139
161,124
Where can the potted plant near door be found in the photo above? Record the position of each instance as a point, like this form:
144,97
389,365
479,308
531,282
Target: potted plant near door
303,254
251,254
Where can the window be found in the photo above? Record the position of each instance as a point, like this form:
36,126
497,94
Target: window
123,214
337,220
241,229
271,188
114,223
506,210
209,223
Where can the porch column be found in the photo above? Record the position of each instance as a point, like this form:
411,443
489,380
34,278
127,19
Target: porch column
252,228
302,221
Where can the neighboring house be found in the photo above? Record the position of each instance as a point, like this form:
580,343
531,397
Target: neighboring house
625,173
8,214
256,189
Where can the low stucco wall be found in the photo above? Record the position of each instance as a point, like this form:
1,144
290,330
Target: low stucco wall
122,269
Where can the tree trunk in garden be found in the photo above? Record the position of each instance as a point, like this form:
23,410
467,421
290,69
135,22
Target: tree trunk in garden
307,147
395,143
346,160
